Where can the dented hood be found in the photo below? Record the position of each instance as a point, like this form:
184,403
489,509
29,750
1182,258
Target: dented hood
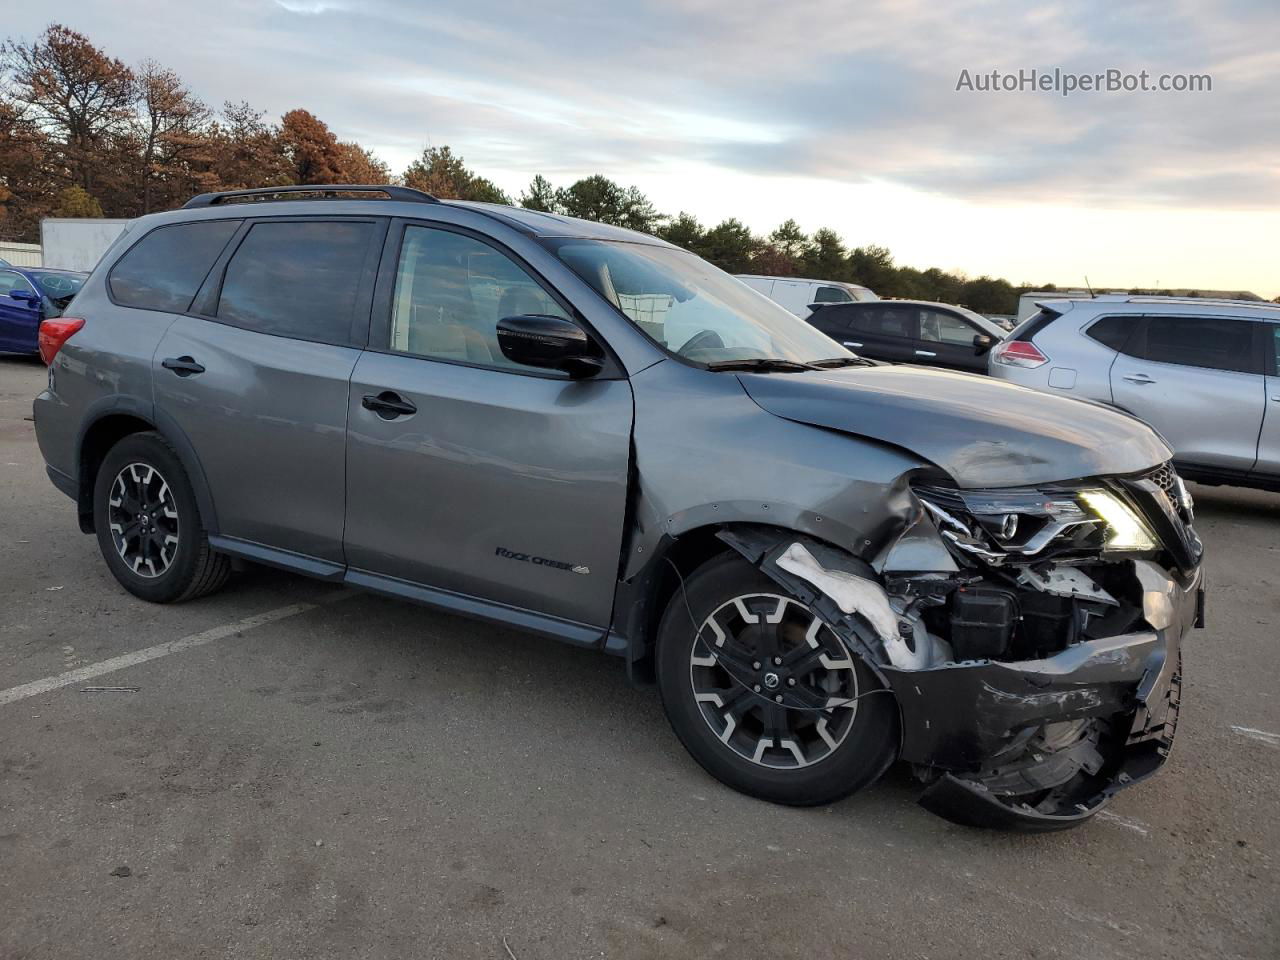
983,432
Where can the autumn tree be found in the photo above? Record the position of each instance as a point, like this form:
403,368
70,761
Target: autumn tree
247,151
27,189
172,130
75,201
78,97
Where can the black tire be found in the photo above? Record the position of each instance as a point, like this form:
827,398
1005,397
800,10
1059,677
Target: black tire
191,569
871,737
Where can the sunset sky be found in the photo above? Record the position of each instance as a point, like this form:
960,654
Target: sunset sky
839,114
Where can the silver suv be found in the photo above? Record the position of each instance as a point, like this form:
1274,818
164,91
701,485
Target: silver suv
826,563
1201,372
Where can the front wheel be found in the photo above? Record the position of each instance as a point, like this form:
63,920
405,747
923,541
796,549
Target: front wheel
764,695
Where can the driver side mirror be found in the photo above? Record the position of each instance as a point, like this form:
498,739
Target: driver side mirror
24,296
553,343
982,343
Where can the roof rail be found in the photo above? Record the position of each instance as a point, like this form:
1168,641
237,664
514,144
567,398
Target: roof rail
321,191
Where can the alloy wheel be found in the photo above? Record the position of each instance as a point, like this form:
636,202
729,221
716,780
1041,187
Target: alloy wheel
773,682
143,519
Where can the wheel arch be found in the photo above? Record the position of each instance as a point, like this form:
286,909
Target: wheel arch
110,424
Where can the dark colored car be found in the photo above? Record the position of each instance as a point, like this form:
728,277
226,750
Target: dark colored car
29,295
827,564
911,331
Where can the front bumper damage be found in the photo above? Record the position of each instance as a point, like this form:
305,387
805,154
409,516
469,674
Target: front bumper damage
1034,744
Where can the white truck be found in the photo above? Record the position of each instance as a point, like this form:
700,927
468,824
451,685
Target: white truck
797,294
77,243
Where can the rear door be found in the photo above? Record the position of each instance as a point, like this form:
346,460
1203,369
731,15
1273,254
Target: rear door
256,375
946,340
467,472
881,331
1269,442
1199,381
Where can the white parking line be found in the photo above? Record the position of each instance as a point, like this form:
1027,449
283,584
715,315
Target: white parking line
81,674
1262,736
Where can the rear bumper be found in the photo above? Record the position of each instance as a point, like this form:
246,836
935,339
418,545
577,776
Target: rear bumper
975,724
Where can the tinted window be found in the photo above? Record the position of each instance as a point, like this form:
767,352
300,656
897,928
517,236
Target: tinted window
297,279
164,269
938,327
831,295
1275,339
1112,331
452,290
885,322
13,281
1216,344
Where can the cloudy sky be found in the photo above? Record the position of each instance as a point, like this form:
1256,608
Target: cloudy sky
838,113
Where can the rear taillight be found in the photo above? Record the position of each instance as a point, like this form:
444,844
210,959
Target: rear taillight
54,333
1019,353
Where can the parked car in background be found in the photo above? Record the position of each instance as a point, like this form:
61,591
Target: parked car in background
593,435
1202,372
29,295
911,331
799,295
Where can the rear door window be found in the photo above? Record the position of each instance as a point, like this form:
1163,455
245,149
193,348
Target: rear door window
1214,343
877,321
298,278
939,327
164,269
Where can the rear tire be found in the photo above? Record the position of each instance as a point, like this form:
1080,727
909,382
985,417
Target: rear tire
802,756
148,523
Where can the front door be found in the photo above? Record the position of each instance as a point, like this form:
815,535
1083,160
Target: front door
1268,464
259,383
19,319
465,471
1197,380
946,340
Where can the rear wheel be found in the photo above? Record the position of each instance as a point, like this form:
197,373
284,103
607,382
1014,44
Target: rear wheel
148,524
765,695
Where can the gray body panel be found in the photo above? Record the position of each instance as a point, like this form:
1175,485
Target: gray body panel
269,418
491,460
1269,440
982,432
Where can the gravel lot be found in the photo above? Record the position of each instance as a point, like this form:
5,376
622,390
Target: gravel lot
367,778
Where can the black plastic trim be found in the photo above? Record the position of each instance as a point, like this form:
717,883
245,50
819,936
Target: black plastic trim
318,191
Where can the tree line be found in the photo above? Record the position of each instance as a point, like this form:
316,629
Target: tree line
83,134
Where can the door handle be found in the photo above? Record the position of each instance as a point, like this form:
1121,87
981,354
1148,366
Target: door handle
850,343
925,353
182,366
388,405
1138,378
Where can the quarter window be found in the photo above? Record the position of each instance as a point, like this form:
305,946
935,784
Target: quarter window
451,291
1212,343
164,269
1112,332
297,279
937,327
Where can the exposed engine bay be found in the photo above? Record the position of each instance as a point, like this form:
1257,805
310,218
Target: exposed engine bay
1031,636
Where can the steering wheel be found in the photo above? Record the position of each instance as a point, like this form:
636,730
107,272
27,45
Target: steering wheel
702,340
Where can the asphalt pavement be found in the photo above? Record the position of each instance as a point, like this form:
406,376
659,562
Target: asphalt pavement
310,773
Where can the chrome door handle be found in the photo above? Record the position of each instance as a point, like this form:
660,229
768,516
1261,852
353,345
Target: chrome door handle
1138,378
850,343
925,353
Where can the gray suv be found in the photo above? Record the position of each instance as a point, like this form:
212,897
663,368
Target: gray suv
825,563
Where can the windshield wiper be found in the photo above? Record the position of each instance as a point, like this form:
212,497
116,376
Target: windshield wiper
760,364
833,362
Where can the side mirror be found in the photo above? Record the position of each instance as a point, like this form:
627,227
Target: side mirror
554,343
982,343
25,296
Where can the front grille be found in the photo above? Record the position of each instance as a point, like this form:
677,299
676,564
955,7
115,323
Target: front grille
1164,478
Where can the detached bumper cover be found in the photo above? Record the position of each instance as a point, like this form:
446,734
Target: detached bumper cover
964,718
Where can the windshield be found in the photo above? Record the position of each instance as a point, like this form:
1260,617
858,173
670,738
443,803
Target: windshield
57,286
696,311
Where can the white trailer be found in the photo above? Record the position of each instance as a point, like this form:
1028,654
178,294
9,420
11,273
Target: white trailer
77,243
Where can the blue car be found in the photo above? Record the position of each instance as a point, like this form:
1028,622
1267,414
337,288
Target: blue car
29,295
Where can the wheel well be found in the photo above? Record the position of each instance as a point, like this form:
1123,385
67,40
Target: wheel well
98,439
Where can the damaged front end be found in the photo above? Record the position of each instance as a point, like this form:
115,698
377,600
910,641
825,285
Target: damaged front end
1031,637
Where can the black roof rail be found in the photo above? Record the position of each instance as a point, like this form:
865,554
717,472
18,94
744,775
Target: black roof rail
322,191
